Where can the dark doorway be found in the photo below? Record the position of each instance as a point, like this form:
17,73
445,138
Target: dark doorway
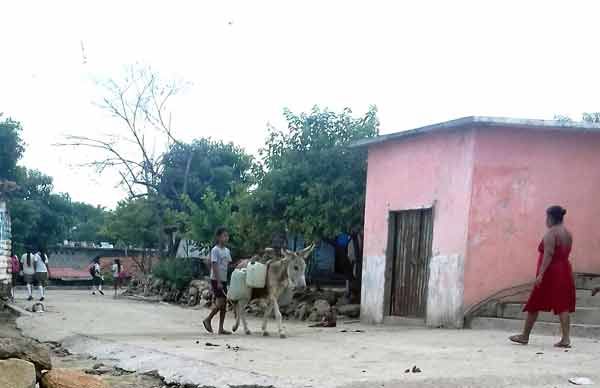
412,236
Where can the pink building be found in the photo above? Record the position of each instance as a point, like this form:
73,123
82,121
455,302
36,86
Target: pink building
455,211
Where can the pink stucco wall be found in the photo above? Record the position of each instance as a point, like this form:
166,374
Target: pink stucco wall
517,174
419,172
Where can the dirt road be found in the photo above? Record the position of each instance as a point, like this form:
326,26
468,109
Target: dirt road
170,339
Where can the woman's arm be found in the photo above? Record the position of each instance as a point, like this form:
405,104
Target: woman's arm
549,246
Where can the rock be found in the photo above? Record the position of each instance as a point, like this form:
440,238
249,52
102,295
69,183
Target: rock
206,294
350,310
15,373
27,350
302,312
65,378
199,284
322,307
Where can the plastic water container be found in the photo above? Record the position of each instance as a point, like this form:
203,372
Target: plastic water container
257,275
238,289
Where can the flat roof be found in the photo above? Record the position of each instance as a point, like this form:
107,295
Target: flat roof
484,121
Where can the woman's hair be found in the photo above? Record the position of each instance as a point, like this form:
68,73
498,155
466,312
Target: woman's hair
28,258
556,213
118,263
96,259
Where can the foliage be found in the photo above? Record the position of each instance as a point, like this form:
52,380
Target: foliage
208,165
40,218
133,223
88,222
312,183
178,272
11,147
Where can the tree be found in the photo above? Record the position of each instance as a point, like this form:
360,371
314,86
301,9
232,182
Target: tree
208,165
133,223
40,218
312,183
11,148
88,222
140,102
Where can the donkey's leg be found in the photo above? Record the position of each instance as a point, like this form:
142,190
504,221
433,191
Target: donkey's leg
268,311
278,318
236,312
243,317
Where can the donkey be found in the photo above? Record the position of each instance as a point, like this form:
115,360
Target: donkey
282,274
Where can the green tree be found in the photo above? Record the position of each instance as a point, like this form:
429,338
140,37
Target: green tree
88,222
133,224
40,218
205,164
312,182
11,147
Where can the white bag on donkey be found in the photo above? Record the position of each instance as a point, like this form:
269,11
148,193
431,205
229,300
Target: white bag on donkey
238,289
257,275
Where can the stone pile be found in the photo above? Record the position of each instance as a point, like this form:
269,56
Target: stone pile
310,305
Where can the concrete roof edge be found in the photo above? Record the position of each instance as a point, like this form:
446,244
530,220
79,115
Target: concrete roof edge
484,121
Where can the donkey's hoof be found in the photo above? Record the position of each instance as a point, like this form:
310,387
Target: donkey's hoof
234,329
265,333
248,332
282,336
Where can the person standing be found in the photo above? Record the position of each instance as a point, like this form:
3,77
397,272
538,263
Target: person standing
117,275
97,279
15,268
220,258
554,288
41,273
28,267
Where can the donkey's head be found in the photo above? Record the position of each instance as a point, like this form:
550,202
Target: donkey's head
296,266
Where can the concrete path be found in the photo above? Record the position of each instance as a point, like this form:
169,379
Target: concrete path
170,339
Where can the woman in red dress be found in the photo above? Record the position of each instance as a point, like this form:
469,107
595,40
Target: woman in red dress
554,288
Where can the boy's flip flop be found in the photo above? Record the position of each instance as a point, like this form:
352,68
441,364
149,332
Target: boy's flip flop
207,326
562,345
518,339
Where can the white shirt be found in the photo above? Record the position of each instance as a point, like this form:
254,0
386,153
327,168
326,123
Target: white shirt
41,265
28,269
115,270
222,257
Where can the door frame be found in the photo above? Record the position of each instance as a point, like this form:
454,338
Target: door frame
389,256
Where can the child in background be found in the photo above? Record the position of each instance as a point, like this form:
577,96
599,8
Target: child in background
97,278
41,273
15,268
117,275
28,267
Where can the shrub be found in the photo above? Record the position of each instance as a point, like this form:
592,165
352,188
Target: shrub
175,271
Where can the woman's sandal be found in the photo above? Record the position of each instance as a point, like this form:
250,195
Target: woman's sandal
519,339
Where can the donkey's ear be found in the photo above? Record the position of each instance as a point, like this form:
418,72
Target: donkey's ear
307,251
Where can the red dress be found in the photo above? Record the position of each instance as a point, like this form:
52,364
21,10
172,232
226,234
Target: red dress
556,292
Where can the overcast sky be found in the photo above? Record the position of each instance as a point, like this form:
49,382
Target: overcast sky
420,62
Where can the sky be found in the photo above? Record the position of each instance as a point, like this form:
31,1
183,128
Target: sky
419,62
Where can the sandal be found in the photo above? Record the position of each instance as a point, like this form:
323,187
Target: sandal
562,345
519,339
224,332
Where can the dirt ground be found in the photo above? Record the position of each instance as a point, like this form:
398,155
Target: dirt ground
169,339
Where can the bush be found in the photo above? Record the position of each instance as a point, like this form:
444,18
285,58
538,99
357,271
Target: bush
175,271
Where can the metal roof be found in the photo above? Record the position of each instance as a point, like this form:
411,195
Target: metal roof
485,121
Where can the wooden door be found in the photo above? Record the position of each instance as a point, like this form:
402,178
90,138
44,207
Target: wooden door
412,232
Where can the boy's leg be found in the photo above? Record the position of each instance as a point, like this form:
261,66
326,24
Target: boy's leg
222,305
